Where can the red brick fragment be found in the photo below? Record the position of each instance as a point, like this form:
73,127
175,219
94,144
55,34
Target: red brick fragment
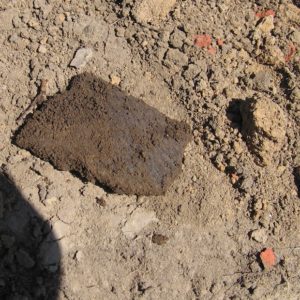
268,258
211,50
202,40
266,13
291,52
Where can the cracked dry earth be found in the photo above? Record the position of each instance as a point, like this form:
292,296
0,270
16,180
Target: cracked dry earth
230,69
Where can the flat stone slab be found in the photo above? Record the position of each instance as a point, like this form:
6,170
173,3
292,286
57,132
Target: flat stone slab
98,132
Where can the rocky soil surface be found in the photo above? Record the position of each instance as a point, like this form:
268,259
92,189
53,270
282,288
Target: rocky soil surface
228,227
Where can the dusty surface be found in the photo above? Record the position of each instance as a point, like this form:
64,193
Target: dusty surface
97,131
204,238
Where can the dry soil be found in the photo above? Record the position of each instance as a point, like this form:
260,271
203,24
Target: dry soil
238,193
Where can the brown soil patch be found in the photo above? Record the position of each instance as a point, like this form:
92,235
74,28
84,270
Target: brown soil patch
97,131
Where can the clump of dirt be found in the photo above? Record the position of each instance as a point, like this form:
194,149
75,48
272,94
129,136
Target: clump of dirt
99,132
152,10
264,127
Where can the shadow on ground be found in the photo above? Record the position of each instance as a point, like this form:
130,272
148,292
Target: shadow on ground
29,252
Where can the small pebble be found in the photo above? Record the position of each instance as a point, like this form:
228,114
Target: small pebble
177,38
115,80
101,202
82,56
79,255
59,19
50,201
295,95
42,49
259,235
159,239
120,32
38,3
33,23
237,147
267,25
295,36
13,38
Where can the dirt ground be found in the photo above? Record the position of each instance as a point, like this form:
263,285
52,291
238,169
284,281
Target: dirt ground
230,69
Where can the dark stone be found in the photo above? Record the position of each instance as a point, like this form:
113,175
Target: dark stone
97,131
159,239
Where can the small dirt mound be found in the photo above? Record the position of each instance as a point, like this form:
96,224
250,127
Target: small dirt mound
264,127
